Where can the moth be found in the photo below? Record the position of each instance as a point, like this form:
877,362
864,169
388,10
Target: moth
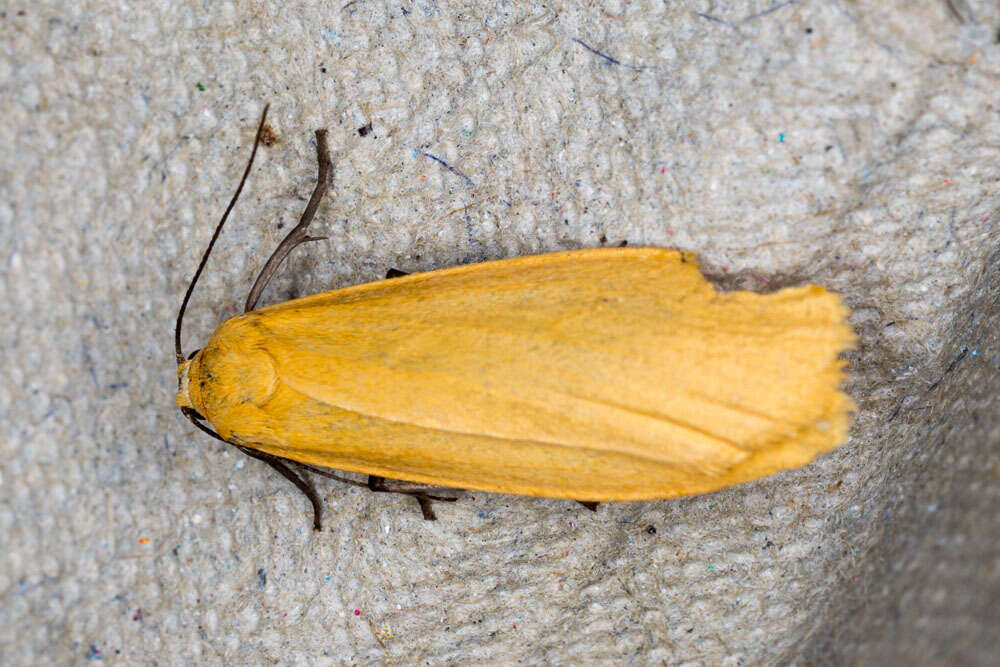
597,375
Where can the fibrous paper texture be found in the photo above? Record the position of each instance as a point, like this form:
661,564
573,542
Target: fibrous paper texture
848,144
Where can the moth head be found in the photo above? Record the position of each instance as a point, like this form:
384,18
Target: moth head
188,386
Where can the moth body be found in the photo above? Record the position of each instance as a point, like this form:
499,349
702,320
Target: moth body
608,374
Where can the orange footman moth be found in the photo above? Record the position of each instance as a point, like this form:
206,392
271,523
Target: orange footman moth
594,375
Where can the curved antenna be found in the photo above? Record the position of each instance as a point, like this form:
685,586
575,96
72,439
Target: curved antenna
278,464
215,236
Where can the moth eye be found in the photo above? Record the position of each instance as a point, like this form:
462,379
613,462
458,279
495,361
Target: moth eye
192,413
191,356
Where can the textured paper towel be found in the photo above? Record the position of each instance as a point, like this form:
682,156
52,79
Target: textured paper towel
853,144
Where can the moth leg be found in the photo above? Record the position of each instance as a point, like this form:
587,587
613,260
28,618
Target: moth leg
418,491
425,508
589,505
383,485
298,235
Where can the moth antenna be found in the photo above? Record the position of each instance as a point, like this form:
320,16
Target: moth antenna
304,486
273,461
215,236
278,464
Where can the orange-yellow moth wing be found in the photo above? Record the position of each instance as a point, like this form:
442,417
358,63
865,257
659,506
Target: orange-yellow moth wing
609,374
